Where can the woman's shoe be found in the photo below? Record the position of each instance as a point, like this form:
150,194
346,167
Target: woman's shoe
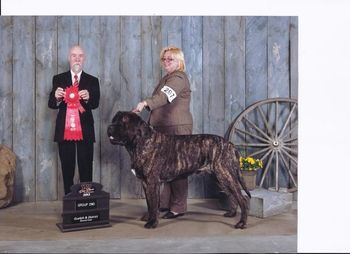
163,209
145,217
172,215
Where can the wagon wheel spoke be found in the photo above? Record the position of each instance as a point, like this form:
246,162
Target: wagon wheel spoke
266,169
266,154
290,140
257,128
291,130
276,119
289,172
259,152
276,171
291,144
290,150
252,145
269,131
290,157
287,121
251,134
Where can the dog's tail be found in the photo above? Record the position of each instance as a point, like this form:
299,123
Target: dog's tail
242,182
240,177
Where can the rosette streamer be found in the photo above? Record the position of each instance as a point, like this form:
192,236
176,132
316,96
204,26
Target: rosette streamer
72,130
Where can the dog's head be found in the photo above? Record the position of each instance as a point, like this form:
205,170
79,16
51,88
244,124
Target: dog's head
127,128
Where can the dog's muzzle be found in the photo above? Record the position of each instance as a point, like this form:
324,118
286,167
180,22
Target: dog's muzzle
112,139
116,142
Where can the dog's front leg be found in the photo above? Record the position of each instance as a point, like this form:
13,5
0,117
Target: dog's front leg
152,199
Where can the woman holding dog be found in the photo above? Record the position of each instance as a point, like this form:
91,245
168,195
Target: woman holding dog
170,114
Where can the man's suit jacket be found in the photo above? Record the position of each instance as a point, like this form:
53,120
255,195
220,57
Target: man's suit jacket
87,82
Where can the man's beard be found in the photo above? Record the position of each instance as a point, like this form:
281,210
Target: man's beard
76,68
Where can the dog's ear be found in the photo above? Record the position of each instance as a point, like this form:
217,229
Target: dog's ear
115,117
125,119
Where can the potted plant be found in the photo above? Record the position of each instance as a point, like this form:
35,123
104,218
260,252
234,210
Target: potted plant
249,167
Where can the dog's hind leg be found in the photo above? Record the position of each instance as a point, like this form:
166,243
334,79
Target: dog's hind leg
232,204
243,204
152,198
234,194
232,207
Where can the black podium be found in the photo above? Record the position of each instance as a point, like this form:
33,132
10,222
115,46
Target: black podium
85,207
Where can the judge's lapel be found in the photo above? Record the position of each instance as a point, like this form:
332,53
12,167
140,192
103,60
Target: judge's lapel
83,81
68,79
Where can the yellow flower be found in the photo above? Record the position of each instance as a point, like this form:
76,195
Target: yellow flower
250,160
249,163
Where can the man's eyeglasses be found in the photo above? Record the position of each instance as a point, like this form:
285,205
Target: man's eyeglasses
167,59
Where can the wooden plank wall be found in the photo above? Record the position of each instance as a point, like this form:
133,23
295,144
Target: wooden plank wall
231,63
24,104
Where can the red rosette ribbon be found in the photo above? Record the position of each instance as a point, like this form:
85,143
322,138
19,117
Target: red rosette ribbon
72,130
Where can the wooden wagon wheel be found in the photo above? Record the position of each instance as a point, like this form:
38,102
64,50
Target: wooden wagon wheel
267,130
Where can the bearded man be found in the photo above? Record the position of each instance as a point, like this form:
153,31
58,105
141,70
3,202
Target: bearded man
75,93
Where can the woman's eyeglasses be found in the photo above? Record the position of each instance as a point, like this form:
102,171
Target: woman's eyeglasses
167,59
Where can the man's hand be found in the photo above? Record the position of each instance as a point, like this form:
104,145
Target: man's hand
59,93
84,94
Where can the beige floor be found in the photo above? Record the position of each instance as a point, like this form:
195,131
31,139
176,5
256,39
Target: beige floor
31,227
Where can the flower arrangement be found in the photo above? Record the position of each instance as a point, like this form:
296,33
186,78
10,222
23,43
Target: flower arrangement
250,164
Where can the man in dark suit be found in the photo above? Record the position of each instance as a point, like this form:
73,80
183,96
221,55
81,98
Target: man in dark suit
75,93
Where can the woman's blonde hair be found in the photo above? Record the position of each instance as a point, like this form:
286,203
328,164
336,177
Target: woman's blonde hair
176,53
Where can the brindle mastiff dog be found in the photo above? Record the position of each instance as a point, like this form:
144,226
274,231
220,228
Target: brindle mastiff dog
156,157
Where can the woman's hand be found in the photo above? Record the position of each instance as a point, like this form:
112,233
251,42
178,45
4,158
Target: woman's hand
140,106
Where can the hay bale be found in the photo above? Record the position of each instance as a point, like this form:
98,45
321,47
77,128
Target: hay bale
7,175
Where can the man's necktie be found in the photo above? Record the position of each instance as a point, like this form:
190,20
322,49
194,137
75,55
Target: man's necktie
75,80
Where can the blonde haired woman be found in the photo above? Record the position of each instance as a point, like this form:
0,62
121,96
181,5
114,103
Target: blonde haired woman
170,114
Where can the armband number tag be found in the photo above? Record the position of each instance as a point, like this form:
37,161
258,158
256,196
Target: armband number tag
169,92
